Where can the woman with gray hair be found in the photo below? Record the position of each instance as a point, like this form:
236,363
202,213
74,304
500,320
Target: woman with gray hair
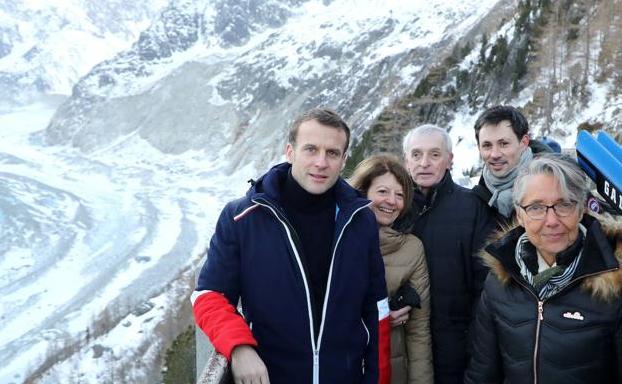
551,309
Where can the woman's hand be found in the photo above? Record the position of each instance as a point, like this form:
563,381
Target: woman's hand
400,317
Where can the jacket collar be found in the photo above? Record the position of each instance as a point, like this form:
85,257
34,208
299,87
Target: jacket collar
482,191
484,194
268,188
600,264
444,187
390,240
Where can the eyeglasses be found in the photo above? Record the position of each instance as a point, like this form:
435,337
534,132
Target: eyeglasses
538,211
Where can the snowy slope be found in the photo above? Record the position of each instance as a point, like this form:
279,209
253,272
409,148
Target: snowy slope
235,99
89,244
101,232
45,47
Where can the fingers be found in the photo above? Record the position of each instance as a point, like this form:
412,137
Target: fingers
400,317
252,378
247,367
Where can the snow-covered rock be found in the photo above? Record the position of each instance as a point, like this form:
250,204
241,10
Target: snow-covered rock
227,77
45,47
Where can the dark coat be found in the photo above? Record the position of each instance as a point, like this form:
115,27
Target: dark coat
452,228
254,256
577,338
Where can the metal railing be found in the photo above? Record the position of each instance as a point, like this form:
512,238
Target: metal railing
212,367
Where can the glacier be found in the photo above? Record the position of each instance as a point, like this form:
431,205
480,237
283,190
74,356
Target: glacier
114,175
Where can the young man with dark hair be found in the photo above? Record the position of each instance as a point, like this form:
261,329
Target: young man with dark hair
301,252
502,135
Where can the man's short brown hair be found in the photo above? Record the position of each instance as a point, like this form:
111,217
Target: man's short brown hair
324,116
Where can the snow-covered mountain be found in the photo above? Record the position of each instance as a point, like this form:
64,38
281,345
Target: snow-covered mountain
227,77
108,200
557,61
46,46
105,213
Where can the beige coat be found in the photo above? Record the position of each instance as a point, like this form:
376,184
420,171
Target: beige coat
411,344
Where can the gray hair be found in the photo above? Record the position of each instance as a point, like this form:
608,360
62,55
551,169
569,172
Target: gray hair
571,179
426,129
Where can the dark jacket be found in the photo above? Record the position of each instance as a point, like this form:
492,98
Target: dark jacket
452,228
254,256
496,219
575,336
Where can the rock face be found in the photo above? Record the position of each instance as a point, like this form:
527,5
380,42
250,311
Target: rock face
45,47
227,77
558,64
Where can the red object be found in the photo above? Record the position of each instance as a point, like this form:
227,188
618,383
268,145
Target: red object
384,351
223,325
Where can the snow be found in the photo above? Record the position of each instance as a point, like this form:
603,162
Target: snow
63,42
119,217
339,23
466,153
88,238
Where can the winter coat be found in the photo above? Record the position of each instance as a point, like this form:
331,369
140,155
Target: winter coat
254,256
411,344
452,228
575,336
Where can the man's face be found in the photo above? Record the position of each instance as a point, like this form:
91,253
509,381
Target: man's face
317,157
499,147
427,159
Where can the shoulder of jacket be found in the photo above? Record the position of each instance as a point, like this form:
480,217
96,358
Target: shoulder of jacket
364,213
240,208
611,225
608,285
463,192
496,267
413,242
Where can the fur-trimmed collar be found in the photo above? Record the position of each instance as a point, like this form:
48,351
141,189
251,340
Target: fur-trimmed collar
600,268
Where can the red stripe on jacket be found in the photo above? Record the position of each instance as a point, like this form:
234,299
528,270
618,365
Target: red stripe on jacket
222,324
384,345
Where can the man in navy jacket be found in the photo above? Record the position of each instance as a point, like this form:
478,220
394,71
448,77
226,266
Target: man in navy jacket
301,252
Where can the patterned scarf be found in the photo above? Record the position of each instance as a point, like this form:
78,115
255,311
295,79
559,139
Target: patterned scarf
501,187
552,280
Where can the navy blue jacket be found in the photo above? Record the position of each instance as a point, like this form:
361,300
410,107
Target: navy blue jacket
253,257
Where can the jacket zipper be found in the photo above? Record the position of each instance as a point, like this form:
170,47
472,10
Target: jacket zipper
537,344
541,314
538,326
366,330
316,350
316,368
